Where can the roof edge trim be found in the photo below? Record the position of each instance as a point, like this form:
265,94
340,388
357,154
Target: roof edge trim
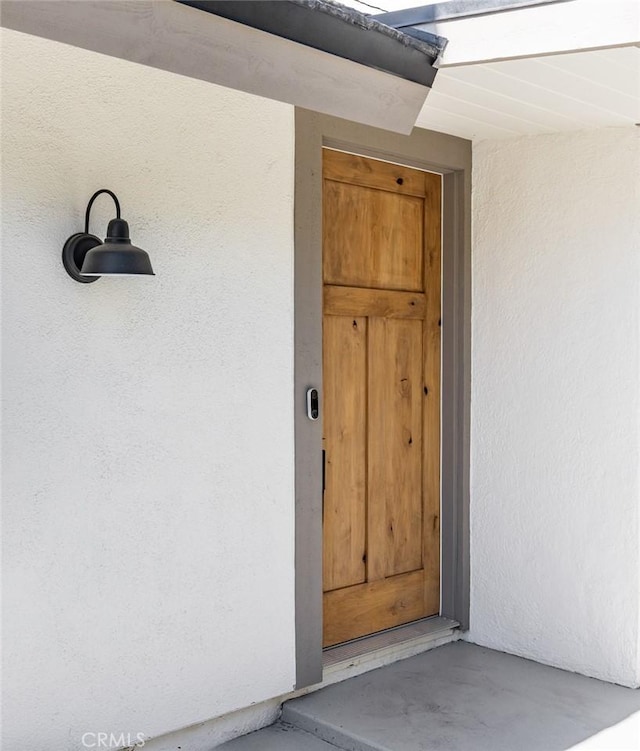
338,30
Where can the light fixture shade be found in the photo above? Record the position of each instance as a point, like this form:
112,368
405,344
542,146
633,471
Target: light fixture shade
116,256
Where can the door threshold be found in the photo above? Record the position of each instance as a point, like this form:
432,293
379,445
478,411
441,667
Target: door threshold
385,647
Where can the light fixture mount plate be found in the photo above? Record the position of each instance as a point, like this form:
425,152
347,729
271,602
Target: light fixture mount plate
73,253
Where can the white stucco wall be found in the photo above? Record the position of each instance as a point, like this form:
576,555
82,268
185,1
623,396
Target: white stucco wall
555,400
148,424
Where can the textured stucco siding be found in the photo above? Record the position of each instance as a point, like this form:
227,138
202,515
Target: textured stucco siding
555,400
148,423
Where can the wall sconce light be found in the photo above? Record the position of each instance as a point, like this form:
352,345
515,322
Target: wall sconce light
86,258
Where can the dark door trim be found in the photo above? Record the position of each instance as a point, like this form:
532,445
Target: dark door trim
450,157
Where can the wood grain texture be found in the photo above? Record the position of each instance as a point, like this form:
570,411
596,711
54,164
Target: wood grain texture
394,523
382,400
358,301
372,238
432,365
366,608
344,440
373,173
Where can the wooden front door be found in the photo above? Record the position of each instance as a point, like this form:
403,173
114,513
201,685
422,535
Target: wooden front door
381,363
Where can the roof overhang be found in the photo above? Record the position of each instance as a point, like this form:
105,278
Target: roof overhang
323,75
338,30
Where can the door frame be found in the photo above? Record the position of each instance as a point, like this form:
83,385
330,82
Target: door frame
450,157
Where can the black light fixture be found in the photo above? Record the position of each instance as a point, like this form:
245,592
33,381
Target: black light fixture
86,258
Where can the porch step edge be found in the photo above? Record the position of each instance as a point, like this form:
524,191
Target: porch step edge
296,714
279,737
338,737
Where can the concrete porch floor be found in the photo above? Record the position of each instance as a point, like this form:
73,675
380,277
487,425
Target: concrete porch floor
459,697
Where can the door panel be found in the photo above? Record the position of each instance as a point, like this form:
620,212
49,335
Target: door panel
364,609
344,342
395,447
381,360
386,230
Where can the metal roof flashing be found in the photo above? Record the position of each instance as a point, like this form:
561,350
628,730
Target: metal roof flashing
431,45
338,30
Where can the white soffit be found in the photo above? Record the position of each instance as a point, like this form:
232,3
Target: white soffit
540,30
545,94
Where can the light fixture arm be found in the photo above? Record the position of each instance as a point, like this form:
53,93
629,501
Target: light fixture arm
90,204
86,258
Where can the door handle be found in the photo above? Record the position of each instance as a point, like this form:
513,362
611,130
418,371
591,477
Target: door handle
324,470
